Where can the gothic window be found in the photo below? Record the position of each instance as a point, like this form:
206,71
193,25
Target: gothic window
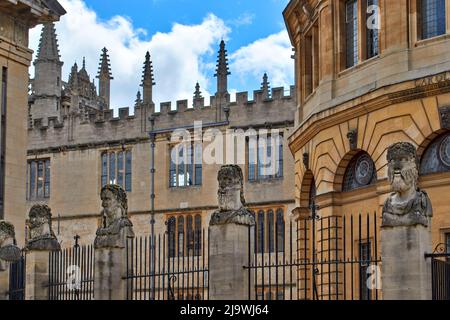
38,179
270,227
436,157
351,32
185,168
184,235
116,169
431,18
360,173
265,157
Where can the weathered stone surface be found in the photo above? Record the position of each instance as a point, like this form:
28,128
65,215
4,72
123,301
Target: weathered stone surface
117,227
231,198
9,252
406,274
110,268
407,205
41,235
37,275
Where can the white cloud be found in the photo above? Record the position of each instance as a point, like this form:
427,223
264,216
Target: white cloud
177,55
271,54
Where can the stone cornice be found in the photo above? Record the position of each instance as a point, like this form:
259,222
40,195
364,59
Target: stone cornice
398,93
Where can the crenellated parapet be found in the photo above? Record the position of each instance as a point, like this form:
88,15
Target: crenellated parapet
95,126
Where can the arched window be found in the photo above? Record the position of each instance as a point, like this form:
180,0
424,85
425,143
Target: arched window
360,172
180,236
260,232
270,230
280,231
198,234
436,157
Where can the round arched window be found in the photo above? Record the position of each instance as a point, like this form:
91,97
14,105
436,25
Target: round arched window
436,157
360,173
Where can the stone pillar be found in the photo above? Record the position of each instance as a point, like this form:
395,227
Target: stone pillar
37,275
405,230
229,252
110,246
42,241
110,270
4,282
405,273
231,230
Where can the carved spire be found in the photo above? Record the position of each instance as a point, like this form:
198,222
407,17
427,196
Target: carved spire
48,44
265,86
148,80
73,77
222,71
197,93
104,77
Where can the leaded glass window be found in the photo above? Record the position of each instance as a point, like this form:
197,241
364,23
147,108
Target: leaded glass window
431,18
38,179
372,35
116,169
360,173
436,157
351,30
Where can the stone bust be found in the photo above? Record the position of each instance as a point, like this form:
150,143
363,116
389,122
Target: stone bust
116,225
407,205
41,235
9,252
231,198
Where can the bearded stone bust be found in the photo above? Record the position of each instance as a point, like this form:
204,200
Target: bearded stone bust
407,205
231,198
9,252
41,235
116,225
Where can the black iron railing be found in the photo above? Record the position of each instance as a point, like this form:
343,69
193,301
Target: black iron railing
17,271
440,272
71,273
329,258
157,269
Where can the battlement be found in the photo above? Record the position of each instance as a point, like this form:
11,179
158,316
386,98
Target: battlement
95,126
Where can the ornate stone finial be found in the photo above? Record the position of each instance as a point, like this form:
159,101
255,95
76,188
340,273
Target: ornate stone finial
48,44
231,198
352,136
41,235
265,86
9,252
117,226
407,205
197,93
104,69
148,80
306,160
222,70
84,63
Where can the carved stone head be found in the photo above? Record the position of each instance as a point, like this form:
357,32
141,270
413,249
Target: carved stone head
41,235
114,203
231,188
402,167
9,252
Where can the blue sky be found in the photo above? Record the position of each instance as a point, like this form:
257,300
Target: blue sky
182,37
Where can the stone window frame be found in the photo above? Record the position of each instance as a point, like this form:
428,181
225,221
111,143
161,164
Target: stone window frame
415,26
263,234
196,165
44,177
192,241
254,169
311,62
127,175
362,34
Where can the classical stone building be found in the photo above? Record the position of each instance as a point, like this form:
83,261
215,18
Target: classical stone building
369,74
75,146
16,18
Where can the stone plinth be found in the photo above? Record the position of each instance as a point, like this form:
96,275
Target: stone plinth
4,281
110,269
406,274
37,275
229,252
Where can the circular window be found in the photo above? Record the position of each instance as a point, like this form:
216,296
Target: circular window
360,173
364,170
444,151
